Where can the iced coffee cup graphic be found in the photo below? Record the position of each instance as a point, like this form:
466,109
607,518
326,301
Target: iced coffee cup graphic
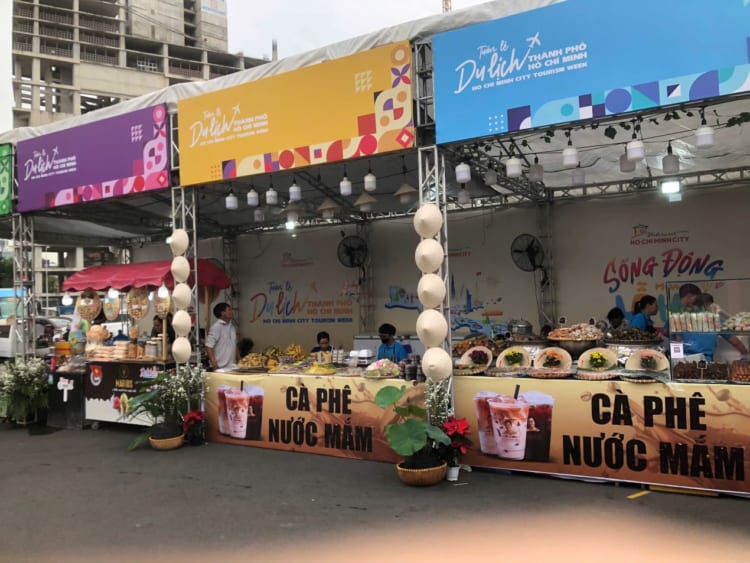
237,407
509,419
484,422
254,412
222,401
539,426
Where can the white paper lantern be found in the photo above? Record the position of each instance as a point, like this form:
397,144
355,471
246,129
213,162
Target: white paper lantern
429,255
181,296
181,323
180,269
427,220
432,328
431,290
179,242
181,350
437,364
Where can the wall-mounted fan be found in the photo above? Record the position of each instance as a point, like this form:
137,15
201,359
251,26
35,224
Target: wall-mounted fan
352,251
527,252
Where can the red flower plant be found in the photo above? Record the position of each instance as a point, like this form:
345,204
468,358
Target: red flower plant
457,429
191,419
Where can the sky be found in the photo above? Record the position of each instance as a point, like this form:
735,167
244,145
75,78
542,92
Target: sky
303,25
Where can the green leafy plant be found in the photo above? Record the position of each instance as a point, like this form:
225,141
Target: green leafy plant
411,436
23,387
167,399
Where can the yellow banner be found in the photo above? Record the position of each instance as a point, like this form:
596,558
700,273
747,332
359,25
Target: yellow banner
346,108
682,435
330,415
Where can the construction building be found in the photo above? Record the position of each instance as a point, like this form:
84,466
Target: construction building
75,56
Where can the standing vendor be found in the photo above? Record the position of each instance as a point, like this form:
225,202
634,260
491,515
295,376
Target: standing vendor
390,349
221,342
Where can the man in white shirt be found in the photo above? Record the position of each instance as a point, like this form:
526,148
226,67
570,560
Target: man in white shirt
221,342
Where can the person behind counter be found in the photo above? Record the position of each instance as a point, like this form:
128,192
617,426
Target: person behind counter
221,342
645,308
390,349
324,342
156,328
615,320
702,342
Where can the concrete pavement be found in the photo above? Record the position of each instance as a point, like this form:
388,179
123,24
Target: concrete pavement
73,495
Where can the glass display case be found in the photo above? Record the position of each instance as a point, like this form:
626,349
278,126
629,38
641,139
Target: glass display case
708,323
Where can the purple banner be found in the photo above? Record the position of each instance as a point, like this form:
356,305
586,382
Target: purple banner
122,155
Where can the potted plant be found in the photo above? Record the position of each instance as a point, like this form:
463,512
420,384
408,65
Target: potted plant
412,436
23,389
168,399
457,430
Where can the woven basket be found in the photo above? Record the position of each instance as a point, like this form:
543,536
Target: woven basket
422,477
167,443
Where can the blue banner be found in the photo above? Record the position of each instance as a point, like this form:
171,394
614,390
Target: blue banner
584,59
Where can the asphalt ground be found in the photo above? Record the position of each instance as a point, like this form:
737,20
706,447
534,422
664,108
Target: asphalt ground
79,496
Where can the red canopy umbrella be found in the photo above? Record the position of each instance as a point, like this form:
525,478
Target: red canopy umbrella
126,276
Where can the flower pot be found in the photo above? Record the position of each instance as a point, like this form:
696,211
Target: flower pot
167,443
452,473
422,477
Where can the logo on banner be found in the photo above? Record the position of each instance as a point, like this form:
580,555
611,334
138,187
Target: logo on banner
501,64
43,164
96,375
642,236
218,125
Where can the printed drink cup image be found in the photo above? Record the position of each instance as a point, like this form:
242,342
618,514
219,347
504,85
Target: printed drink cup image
484,422
237,406
254,412
539,427
221,396
509,419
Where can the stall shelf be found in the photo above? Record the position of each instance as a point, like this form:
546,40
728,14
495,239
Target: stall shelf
110,385
329,415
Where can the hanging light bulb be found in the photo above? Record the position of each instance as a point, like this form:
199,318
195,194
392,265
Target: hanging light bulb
406,194
112,293
66,299
328,208
463,196
670,164
536,171
295,192
463,173
490,177
230,202
364,202
163,291
345,186
626,165
370,180
704,135
635,149
579,176
272,196
252,198
514,167
570,154
150,295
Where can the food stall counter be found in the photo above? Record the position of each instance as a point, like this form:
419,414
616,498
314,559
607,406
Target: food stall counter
323,414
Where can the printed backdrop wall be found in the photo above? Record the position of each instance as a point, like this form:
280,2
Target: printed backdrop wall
606,253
